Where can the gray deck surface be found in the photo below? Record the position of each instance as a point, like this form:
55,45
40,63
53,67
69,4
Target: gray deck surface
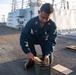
12,58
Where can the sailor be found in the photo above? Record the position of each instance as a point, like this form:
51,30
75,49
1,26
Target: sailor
39,30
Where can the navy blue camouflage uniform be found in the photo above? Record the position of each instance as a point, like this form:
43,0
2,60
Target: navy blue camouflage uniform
33,34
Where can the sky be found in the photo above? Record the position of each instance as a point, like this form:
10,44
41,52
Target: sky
5,6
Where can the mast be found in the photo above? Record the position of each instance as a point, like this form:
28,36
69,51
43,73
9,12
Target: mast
22,4
14,5
63,4
33,3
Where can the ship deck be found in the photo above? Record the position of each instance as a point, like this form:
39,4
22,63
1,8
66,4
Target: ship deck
12,58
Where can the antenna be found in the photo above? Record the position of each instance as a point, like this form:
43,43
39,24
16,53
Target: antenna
33,3
22,4
14,5
53,2
67,5
63,4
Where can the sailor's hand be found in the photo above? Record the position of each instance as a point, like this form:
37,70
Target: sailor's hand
30,56
47,60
